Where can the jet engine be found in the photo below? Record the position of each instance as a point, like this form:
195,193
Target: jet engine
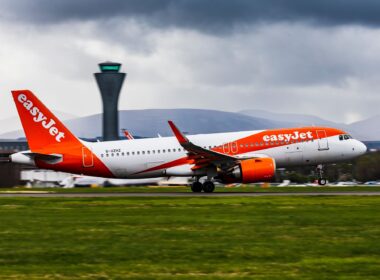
250,171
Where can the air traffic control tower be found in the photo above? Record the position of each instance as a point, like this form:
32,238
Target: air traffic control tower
110,81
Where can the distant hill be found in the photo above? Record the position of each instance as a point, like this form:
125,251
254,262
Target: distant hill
369,127
359,130
148,123
296,119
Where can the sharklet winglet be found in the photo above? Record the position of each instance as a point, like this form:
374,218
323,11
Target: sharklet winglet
178,134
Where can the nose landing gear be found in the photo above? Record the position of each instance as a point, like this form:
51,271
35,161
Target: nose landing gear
321,180
207,187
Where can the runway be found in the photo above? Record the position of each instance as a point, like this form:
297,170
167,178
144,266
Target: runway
183,194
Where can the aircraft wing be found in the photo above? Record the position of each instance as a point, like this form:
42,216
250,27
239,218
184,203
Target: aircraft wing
202,157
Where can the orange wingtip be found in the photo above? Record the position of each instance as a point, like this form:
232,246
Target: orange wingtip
180,137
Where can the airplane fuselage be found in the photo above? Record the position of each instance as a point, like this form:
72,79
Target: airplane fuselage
164,156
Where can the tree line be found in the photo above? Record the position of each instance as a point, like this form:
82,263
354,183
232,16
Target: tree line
363,169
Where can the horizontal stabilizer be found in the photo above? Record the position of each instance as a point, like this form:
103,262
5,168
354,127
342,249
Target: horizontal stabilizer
53,158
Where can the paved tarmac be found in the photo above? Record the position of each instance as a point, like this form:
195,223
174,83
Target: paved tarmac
189,194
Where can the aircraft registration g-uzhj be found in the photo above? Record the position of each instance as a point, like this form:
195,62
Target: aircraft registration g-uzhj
232,157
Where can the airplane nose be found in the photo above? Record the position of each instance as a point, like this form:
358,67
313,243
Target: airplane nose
361,148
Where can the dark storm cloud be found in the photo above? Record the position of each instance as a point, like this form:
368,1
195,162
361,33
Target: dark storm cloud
216,15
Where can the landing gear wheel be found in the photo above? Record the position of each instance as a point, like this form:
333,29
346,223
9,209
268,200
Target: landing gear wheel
322,181
196,187
208,187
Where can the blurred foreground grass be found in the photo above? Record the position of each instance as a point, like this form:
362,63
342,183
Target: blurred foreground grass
221,188
190,238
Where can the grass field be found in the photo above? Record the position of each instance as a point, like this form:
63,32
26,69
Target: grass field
190,238
242,188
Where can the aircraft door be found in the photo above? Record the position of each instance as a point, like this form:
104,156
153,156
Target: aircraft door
87,157
226,148
234,147
231,147
323,143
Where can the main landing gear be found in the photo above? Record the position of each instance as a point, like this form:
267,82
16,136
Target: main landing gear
321,180
207,187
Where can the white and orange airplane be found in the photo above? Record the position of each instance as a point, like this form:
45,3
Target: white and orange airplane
246,156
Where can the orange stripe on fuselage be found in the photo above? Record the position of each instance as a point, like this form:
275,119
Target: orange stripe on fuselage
276,138
174,163
268,139
73,161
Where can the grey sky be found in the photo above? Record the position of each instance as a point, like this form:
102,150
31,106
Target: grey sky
314,57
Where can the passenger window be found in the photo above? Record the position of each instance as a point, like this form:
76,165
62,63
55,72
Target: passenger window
122,153
112,155
101,155
133,153
148,152
138,152
106,155
127,153
340,137
143,152
163,150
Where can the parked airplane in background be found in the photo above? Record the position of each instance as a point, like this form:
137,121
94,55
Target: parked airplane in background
246,156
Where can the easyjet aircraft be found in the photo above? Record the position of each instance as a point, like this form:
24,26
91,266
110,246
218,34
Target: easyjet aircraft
246,156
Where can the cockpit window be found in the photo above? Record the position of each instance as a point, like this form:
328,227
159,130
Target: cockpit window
345,137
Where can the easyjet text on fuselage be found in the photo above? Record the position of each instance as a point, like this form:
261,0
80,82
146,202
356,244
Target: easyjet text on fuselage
296,135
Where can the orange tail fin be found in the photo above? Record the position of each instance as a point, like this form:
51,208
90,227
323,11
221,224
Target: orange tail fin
41,127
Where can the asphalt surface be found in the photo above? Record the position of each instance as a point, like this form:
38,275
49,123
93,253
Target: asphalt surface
189,194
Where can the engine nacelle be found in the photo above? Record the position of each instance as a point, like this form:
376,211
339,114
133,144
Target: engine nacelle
251,171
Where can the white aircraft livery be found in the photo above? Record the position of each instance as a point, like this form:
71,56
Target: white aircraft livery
246,156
